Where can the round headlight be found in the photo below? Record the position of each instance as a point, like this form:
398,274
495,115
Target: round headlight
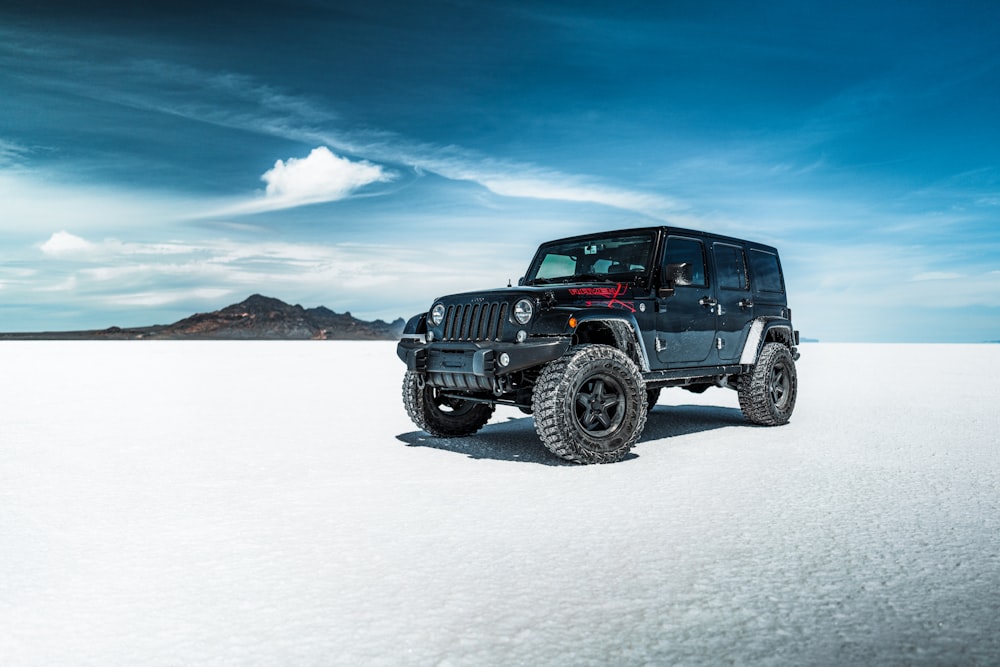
523,310
437,314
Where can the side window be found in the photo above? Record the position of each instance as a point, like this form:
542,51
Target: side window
731,267
687,251
766,272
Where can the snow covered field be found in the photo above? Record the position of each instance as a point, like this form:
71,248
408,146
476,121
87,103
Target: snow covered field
217,503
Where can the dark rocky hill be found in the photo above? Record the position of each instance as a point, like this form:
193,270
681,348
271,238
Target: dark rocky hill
258,317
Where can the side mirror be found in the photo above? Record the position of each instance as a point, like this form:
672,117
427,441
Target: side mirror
520,281
673,275
680,274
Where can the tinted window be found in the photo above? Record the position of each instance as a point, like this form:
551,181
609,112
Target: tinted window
731,266
556,265
687,251
766,272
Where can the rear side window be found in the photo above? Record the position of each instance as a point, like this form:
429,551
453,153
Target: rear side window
731,266
766,272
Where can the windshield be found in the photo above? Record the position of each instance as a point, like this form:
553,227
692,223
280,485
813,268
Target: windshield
610,258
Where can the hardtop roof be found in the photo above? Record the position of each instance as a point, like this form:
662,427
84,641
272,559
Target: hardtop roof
668,230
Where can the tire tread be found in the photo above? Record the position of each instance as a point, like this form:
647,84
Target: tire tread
754,393
551,420
436,423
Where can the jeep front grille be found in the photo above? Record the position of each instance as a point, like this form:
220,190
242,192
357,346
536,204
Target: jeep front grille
474,321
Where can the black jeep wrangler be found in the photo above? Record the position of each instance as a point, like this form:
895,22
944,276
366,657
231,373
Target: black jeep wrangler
593,332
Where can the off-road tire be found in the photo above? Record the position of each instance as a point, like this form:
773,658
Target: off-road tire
438,415
767,393
590,405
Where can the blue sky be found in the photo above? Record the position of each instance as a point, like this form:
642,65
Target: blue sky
158,159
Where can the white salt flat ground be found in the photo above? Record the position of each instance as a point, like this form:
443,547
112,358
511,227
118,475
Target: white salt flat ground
185,503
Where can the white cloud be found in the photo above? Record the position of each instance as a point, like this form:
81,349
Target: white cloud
319,177
61,244
64,245
322,176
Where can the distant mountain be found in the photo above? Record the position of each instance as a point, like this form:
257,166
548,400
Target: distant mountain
258,317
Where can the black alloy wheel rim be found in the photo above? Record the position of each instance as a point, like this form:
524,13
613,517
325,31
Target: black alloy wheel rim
779,386
599,405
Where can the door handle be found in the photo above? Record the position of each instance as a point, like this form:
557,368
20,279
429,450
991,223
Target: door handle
746,303
707,301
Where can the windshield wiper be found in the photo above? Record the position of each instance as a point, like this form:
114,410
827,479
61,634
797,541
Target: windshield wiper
584,277
581,277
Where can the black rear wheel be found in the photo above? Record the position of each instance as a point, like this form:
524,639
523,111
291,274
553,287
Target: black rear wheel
768,392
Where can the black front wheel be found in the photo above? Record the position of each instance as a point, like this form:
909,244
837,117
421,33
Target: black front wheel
590,405
439,415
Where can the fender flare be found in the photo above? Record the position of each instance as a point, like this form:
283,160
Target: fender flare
416,325
626,333
761,330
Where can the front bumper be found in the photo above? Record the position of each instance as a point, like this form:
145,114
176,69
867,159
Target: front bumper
478,359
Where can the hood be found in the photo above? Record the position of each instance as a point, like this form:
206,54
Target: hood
550,295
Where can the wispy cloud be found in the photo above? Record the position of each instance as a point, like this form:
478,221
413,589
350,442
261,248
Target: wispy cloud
512,179
64,245
33,198
166,297
371,280
937,275
11,152
852,278
238,101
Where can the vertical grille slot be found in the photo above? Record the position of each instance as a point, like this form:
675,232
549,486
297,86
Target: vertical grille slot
449,323
463,325
498,322
485,321
473,330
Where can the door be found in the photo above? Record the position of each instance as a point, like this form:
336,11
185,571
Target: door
735,307
685,318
